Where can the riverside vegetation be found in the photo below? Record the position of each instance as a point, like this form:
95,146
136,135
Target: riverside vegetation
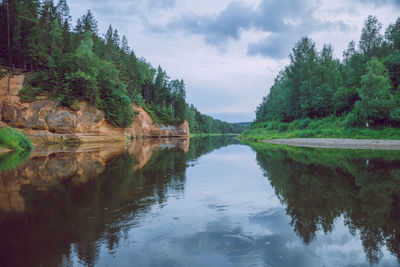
317,95
14,140
70,65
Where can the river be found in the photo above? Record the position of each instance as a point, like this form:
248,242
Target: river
204,202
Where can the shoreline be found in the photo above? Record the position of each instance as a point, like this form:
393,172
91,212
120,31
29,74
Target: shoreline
338,143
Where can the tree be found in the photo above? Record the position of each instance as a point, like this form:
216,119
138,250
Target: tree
371,37
376,101
55,39
109,36
124,45
392,34
349,52
115,38
87,23
63,11
300,73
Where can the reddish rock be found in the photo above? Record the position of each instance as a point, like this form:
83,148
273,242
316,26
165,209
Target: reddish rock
47,122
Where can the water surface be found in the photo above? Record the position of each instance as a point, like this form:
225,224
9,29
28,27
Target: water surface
210,201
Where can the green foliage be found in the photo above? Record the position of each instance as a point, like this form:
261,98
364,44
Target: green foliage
304,123
344,99
29,93
13,139
376,101
363,90
329,127
200,123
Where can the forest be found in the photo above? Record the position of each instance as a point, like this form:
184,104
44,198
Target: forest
69,63
358,94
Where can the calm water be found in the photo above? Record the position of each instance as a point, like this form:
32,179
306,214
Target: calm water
213,202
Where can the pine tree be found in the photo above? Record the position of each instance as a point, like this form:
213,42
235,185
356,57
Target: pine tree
87,23
124,45
109,36
63,11
116,39
56,38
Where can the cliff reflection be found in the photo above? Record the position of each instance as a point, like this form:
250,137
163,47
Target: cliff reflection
69,202
317,186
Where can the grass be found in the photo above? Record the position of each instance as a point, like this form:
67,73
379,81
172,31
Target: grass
330,127
15,140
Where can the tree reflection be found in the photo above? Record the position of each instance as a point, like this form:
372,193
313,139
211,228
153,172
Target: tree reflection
76,203
319,185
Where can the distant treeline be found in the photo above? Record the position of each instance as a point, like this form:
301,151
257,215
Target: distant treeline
363,88
69,64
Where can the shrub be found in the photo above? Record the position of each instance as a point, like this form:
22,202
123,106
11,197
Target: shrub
29,93
282,127
75,106
304,123
13,139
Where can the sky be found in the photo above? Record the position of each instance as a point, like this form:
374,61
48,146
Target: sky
229,52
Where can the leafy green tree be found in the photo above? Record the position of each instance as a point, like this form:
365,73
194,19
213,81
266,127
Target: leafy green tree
392,62
344,100
392,34
376,101
371,38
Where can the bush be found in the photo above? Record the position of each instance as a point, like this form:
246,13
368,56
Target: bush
282,127
75,106
117,109
13,139
304,123
29,93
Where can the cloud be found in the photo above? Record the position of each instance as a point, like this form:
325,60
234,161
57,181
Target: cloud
275,46
164,4
283,21
217,29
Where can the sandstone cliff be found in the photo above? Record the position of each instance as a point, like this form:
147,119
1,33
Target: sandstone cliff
47,122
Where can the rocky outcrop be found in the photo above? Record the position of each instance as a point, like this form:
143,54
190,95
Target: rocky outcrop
47,122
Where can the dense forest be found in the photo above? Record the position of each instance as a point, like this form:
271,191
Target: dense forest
362,90
70,63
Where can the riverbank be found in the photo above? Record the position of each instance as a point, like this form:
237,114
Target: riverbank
330,127
338,143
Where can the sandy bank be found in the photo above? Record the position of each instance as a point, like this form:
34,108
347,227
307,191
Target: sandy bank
338,143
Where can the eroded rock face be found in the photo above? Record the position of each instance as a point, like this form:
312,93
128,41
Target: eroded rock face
47,122
143,126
